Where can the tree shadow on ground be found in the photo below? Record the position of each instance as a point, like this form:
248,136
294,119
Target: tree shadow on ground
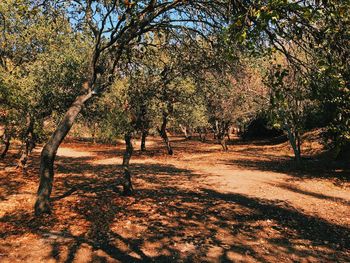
312,194
157,148
169,219
190,227
259,142
309,168
12,180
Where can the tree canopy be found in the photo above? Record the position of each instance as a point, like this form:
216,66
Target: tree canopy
129,68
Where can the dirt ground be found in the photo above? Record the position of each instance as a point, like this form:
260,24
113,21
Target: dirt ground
249,204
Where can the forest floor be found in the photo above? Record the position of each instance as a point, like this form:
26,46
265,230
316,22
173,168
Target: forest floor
249,204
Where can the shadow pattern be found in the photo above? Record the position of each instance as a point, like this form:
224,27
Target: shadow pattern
169,219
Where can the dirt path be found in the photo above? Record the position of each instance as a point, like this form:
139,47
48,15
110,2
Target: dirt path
247,205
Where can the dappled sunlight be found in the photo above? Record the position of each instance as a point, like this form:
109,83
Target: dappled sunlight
182,210
174,131
69,152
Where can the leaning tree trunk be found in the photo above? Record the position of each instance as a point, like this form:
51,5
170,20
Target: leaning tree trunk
7,139
163,134
143,140
127,185
48,154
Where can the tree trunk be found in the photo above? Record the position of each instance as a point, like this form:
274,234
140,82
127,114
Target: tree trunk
222,141
7,140
189,133
185,132
30,143
127,185
202,134
220,129
297,136
228,134
295,143
48,154
26,151
163,134
217,131
94,133
143,140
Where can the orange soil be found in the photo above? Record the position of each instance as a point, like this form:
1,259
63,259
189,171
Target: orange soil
200,205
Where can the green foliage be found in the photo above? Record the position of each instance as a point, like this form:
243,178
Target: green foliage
190,115
111,112
288,98
314,37
197,81
331,71
42,63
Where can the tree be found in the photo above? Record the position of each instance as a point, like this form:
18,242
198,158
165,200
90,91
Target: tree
289,97
330,73
114,27
314,37
191,117
228,84
39,78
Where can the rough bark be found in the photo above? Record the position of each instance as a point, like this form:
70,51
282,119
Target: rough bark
7,141
163,134
127,185
48,154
